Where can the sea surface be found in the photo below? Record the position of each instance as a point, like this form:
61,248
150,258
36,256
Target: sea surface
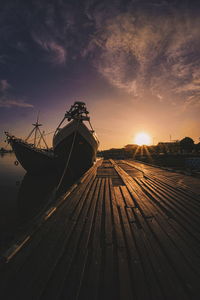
22,197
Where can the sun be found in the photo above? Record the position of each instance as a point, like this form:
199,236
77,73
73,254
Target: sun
142,138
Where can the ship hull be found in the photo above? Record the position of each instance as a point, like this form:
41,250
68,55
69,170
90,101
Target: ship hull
81,159
32,160
75,148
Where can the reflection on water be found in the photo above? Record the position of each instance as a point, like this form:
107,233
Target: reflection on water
22,197
10,178
34,194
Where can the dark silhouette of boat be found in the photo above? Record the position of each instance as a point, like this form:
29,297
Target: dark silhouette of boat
74,146
31,156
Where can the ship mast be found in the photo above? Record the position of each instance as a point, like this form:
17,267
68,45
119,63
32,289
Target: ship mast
35,131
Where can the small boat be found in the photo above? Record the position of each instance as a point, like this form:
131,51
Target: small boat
74,146
31,156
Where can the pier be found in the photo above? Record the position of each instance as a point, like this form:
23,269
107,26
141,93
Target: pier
126,230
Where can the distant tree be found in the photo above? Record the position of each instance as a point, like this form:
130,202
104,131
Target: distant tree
197,147
187,144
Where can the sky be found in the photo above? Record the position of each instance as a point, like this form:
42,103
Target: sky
136,65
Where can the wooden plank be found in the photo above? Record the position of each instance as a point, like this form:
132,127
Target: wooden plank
92,279
143,211
108,275
90,285
144,274
72,285
97,230
119,200
64,261
184,200
181,245
177,215
125,286
108,215
151,283
174,201
164,274
127,198
173,253
137,273
168,178
117,230
109,282
180,231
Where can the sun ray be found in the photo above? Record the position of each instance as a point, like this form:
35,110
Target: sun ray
148,153
136,151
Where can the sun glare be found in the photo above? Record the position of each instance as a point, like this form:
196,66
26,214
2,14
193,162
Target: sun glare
142,138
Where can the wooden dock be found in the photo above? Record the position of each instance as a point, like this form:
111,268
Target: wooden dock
126,231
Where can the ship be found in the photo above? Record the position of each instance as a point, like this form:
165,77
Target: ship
29,153
74,146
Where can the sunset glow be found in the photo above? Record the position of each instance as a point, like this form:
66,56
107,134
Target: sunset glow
130,61
142,138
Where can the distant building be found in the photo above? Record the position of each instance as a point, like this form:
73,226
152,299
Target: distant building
114,153
130,146
169,147
130,150
197,148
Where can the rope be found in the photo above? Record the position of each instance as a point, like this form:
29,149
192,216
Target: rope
59,125
91,125
69,156
93,130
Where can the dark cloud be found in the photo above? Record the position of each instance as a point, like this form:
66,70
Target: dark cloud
143,47
4,85
41,43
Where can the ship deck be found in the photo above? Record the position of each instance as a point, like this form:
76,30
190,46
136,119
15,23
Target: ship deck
126,230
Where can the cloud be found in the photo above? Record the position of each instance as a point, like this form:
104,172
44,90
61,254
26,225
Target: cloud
12,103
148,50
4,85
55,26
192,101
60,31
57,52
6,96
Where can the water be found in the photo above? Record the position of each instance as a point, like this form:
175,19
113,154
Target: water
22,197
